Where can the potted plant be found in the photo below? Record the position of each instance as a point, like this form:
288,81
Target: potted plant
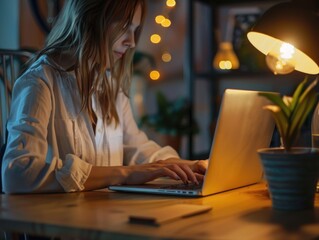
170,120
291,172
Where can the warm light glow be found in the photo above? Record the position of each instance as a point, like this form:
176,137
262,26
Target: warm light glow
170,3
159,19
155,75
287,51
225,65
277,51
166,57
166,22
279,65
281,60
155,38
225,58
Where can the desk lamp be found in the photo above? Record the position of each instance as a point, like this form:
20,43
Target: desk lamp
288,34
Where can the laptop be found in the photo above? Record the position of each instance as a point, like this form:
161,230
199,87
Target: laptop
243,126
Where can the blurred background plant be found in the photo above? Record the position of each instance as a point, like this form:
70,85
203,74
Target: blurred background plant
170,120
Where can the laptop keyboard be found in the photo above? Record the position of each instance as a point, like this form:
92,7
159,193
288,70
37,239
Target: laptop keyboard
182,186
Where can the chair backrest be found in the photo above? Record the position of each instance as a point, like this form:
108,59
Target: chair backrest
11,65
12,62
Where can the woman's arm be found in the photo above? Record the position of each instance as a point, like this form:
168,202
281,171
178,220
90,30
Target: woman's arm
25,167
187,171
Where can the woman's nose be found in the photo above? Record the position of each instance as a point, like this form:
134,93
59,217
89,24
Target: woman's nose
130,40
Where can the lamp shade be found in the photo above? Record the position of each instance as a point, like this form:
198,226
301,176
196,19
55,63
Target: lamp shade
295,25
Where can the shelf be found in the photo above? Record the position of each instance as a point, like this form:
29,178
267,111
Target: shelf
216,78
250,74
225,2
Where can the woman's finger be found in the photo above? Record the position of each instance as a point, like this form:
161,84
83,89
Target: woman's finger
190,174
166,172
201,166
199,177
179,171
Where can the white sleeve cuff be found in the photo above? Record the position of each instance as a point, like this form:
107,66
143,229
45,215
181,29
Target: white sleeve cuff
163,154
73,173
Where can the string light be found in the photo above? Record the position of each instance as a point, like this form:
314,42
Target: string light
154,75
166,57
155,38
159,19
170,3
166,22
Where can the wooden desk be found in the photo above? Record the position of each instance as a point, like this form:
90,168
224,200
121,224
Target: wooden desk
239,214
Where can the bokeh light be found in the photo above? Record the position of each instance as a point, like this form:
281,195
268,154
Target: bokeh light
155,75
225,65
159,19
170,3
155,38
166,57
166,22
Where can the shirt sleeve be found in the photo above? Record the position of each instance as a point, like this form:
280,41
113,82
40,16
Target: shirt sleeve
31,162
138,149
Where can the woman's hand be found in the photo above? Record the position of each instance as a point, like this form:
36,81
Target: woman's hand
185,170
175,168
199,166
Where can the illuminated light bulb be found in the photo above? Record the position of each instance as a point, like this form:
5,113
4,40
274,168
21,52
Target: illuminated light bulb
166,22
155,38
225,58
159,19
225,65
280,61
287,51
170,3
155,75
166,57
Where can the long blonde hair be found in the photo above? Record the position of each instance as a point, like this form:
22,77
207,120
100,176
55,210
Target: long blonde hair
88,27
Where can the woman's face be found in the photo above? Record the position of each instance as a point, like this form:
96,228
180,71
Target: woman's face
127,40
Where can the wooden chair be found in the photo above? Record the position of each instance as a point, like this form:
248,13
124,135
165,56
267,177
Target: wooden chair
12,64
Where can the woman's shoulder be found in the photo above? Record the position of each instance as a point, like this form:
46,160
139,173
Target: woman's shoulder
44,63
42,69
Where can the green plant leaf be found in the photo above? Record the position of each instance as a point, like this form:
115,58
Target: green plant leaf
162,102
297,93
281,120
289,122
308,89
304,102
287,100
300,114
277,100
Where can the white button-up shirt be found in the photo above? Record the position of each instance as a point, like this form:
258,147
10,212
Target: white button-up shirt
51,145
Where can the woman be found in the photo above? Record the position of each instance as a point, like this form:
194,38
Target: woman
71,126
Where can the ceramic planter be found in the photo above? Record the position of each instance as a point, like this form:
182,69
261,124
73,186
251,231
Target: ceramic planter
292,176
